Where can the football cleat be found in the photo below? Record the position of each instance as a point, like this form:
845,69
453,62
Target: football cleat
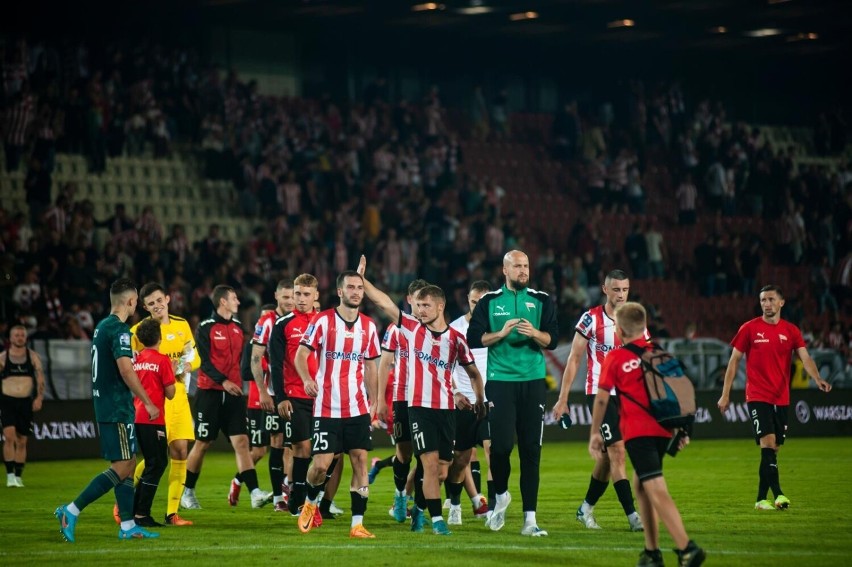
498,518
360,531
455,517
482,510
175,520
418,519
635,523
67,523
306,517
260,498
440,528
374,470
533,530
650,559
115,514
764,505
234,493
587,519
782,502
136,532
692,556
188,501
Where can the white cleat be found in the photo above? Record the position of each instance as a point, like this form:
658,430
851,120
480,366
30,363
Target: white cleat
533,530
19,482
587,519
259,498
335,509
455,517
188,501
635,523
498,517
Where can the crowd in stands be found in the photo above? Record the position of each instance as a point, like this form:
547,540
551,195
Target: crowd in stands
331,179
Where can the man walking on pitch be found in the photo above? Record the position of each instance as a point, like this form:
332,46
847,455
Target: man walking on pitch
515,323
768,343
114,382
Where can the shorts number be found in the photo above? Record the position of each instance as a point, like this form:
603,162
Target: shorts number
131,431
320,442
419,441
270,423
606,433
757,430
256,437
94,363
288,429
397,430
202,429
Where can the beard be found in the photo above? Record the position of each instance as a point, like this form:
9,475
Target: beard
350,304
517,285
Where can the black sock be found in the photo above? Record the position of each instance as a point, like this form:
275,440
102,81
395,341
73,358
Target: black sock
477,476
434,507
10,467
325,508
239,477
595,491
492,496
384,463
249,478
772,472
19,469
299,486
191,479
400,473
313,491
419,498
501,468
359,503
454,489
763,474
276,469
625,495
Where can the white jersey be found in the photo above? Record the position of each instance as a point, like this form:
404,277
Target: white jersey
480,356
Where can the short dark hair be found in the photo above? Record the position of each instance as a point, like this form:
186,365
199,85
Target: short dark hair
149,288
220,292
480,285
284,284
416,286
616,275
148,332
347,274
434,292
119,288
268,307
773,287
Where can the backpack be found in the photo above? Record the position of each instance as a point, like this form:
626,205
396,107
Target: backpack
669,389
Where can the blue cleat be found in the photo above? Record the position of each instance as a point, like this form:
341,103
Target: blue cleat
440,528
400,507
136,532
418,519
374,471
67,523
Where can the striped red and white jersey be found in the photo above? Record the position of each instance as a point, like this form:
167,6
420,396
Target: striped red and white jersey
599,329
432,359
397,344
341,347
263,329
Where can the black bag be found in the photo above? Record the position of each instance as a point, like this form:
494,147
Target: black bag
670,391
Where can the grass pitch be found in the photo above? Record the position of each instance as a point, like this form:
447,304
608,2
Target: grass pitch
713,483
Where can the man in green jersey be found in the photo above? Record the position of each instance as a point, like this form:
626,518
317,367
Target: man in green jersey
114,382
515,323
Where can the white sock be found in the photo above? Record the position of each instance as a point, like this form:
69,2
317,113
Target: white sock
455,506
237,481
398,492
277,499
10,476
503,497
357,520
437,519
128,525
529,518
476,500
72,509
257,492
585,508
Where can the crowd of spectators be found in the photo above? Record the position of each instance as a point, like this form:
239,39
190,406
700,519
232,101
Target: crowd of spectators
331,179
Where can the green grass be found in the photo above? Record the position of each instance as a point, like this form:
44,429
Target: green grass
713,483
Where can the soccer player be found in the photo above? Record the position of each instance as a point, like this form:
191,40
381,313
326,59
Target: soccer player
395,352
22,378
219,400
261,406
157,377
595,336
114,382
435,350
645,440
176,343
346,344
470,431
768,343
515,323
292,403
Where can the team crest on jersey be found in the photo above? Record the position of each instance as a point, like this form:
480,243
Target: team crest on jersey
530,305
170,337
387,336
124,339
782,337
258,329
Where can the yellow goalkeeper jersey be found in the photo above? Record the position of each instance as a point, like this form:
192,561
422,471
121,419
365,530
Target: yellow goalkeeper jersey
177,342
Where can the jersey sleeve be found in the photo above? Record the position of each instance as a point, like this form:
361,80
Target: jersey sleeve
585,325
465,355
478,323
407,322
740,341
549,323
190,351
121,343
796,337
315,335
373,349
262,331
390,342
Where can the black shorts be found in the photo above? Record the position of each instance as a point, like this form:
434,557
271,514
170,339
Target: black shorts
261,426
433,430
401,423
299,427
341,435
646,456
610,428
470,431
516,410
17,412
154,448
767,419
216,411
